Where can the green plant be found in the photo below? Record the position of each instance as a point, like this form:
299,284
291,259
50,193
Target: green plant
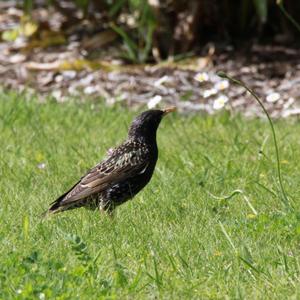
288,16
79,247
28,6
261,7
236,81
138,39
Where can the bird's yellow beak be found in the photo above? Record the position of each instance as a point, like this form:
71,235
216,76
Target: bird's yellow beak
168,110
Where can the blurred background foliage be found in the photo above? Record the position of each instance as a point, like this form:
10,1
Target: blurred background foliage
152,30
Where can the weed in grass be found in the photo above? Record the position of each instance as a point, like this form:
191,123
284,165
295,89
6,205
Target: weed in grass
284,196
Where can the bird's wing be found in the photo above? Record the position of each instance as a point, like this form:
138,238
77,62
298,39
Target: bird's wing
124,162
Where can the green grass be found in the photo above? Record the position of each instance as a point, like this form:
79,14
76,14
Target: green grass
175,240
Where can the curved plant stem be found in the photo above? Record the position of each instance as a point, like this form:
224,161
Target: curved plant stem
236,81
291,19
236,192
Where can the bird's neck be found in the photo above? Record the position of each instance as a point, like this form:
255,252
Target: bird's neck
144,137
149,140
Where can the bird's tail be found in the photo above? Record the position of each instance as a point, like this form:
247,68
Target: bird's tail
51,210
55,207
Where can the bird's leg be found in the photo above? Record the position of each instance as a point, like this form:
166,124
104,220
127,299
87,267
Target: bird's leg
109,211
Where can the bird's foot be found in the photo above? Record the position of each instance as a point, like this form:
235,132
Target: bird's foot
108,212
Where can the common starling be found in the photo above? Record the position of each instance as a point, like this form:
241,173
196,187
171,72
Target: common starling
126,170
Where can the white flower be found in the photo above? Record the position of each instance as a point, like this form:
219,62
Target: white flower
59,78
42,296
89,90
41,166
57,94
222,85
201,77
273,97
110,101
131,21
214,78
220,102
154,101
154,3
208,93
73,90
289,102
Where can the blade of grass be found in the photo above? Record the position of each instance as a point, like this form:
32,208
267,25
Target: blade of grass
250,205
132,48
227,237
265,188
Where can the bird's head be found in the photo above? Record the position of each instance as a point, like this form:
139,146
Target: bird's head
145,125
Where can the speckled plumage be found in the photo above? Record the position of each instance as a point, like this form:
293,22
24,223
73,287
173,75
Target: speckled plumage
126,170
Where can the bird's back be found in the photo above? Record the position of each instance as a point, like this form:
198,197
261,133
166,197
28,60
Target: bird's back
133,153
118,178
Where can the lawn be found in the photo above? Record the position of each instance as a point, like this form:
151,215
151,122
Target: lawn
179,238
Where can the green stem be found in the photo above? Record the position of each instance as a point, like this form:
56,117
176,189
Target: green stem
291,19
240,83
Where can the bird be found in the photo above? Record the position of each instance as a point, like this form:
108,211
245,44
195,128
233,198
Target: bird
125,171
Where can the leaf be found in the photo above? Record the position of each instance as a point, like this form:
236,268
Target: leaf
26,227
28,28
116,7
79,248
10,35
149,39
100,39
132,48
261,7
27,6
